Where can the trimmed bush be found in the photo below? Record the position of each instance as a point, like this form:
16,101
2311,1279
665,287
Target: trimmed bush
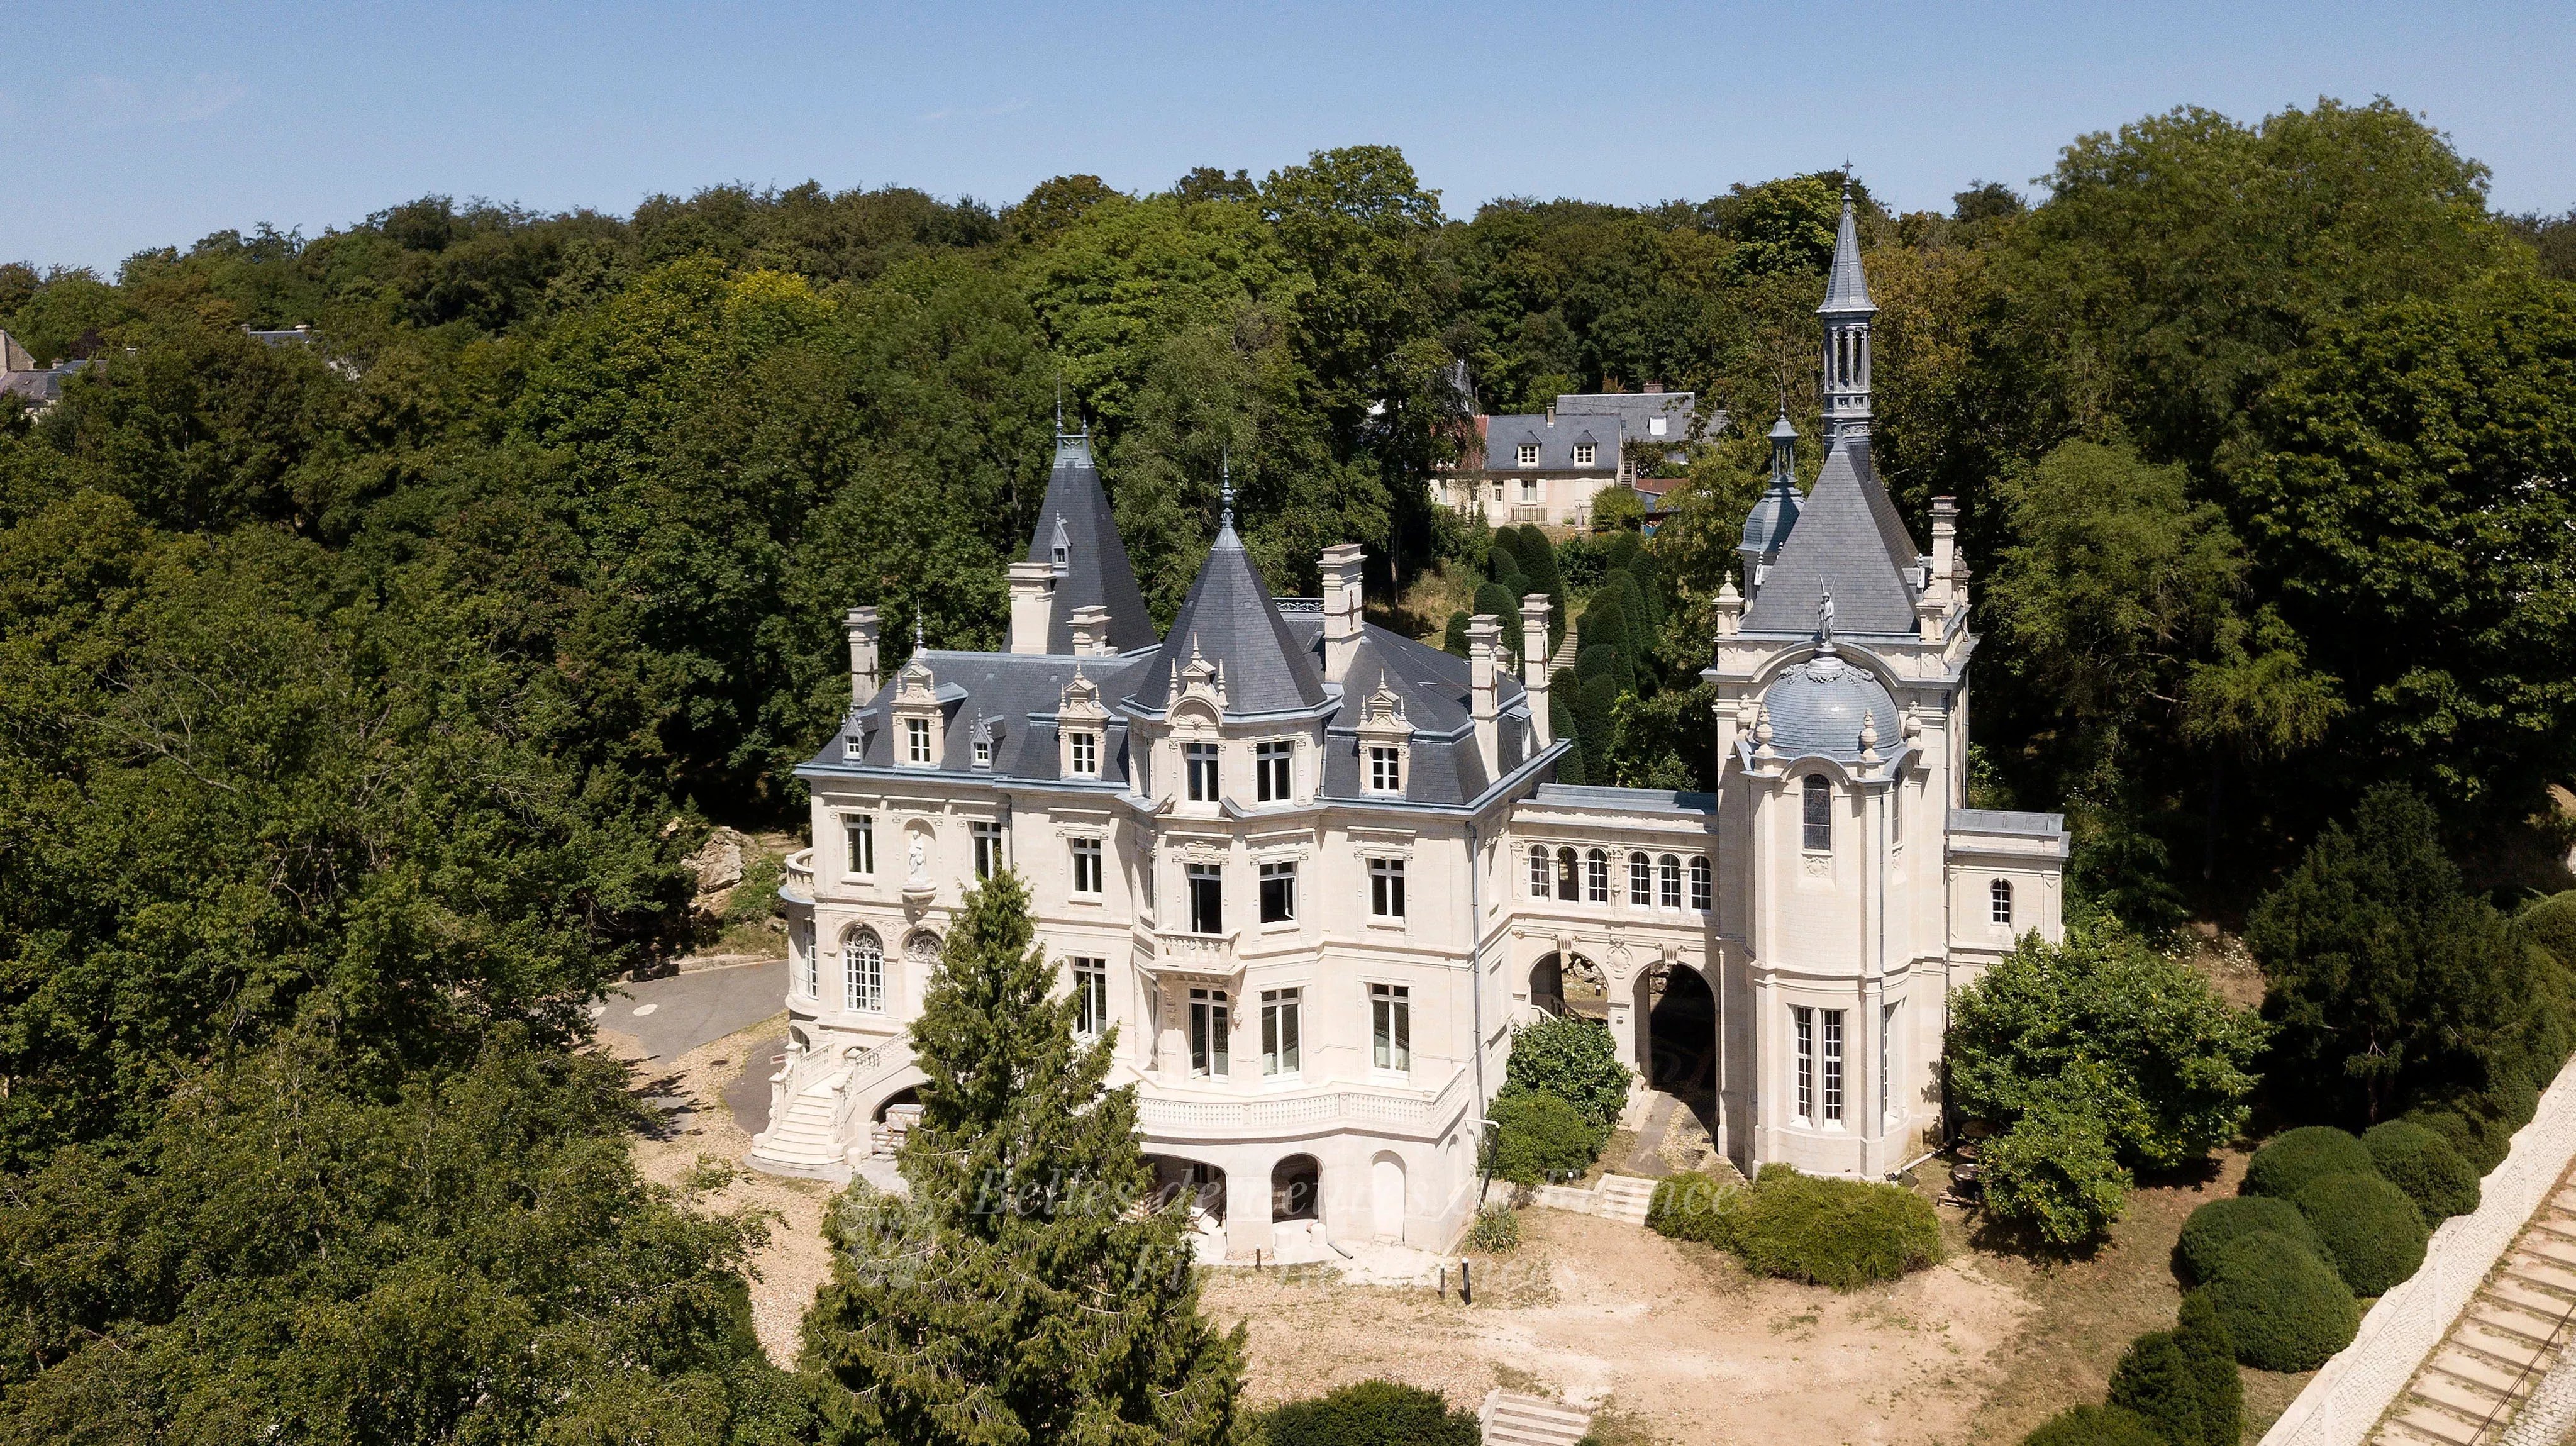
1497,1229
2483,1148
2155,1383
2211,1353
2373,1235
2291,1159
1841,1233
1540,1136
2510,1101
2435,1176
1695,1207
2550,924
1494,598
1574,1059
2221,1223
1370,1413
1453,639
2283,1307
2094,1426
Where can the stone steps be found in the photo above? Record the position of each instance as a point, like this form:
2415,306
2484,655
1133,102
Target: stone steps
802,1139
2514,1328
1625,1198
1517,1420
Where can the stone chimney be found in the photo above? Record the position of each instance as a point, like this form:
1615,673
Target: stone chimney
1551,414
1090,630
1534,667
861,625
1484,671
1032,605
1945,546
1341,567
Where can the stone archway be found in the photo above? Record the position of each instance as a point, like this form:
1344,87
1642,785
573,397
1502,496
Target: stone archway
1562,984
1296,1189
1678,1014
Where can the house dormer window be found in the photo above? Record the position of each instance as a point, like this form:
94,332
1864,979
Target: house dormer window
983,753
1583,454
1085,751
916,741
1386,769
1527,454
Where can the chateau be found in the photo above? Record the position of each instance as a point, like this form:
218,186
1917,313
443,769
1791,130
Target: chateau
1314,872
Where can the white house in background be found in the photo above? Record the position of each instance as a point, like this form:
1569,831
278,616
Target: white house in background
1547,467
1312,872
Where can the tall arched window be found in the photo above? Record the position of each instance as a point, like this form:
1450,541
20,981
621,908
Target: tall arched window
1641,881
863,970
1820,812
2001,892
1596,877
1566,886
1538,871
1699,882
1668,875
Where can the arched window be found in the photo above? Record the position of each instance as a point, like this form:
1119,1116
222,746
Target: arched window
1596,877
1538,871
863,974
1820,812
1641,881
1668,873
1699,882
2001,893
1566,887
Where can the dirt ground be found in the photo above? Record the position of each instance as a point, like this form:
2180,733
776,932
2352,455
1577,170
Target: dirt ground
702,1141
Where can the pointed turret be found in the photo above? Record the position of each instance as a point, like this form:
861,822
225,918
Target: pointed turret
1077,541
1767,526
1849,543
1846,312
1232,624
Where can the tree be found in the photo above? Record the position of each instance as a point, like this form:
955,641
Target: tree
2054,1172
2168,1065
1019,1294
1573,1059
2382,977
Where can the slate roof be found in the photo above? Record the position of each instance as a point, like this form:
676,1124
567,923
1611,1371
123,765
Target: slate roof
1097,572
2007,821
1435,687
1005,690
1846,285
1775,513
1504,434
1636,411
1232,621
1847,538
1626,800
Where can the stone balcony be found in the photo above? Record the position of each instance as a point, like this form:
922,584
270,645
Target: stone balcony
1181,951
797,885
1171,1114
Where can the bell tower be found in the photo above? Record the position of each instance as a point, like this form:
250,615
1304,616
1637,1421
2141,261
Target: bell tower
1847,310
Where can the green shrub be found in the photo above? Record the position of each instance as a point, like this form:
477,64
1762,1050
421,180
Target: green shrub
2155,1383
2550,925
2468,1133
1453,639
1494,598
1618,507
1695,1207
2283,1307
1370,1413
1540,1136
2373,1235
1574,1059
2211,1353
2510,1101
2286,1163
2435,1176
2094,1426
1503,559
2054,1172
2221,1223
1841,1233
1497,1229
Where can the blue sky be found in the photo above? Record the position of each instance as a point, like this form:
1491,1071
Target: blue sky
154,126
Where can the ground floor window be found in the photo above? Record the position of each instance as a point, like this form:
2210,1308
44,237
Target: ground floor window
1833,1065
1391,1026
1281,1011
864,972
1210,1022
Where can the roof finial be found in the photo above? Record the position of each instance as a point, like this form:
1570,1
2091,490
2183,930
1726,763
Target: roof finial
1225,486
1059,401
916,629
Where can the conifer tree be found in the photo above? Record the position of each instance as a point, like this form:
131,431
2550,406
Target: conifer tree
1022,1293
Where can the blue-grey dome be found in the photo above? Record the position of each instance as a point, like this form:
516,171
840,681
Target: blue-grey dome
1768,524
1818,706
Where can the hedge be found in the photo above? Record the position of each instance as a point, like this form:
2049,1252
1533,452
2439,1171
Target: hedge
1539,1136
2211,1353
2478,1142
1370,1413
1841,1233
2283,1307
2221,1223
2373,1235
1694,1207
2440,1181
2094,1426
2285,1165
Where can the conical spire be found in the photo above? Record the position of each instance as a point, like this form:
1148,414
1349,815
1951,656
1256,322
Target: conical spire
1846,285
1231,620
1847,310
1077,537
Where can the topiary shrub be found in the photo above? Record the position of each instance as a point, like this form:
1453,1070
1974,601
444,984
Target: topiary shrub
1695,1207
2435,1176
2283,1307
2155,1383
2285,1164
2211,1353
1497,1229
1574,1059
2510,1101
2094,1426
2372,1233
2467,1132
1494,598
1453,639
1370,1413
1539,1137
1841,1233
2221,1223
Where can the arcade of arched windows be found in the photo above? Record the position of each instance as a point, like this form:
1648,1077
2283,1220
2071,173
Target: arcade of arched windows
1655,879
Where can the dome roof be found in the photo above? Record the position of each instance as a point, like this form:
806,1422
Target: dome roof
1817,708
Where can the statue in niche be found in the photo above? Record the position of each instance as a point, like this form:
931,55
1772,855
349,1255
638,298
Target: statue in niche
920,861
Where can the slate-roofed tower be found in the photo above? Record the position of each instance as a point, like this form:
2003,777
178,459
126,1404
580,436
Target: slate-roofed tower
1847,310
1077,538
1231,621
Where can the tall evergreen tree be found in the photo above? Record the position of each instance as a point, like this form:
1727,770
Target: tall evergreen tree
1018,1294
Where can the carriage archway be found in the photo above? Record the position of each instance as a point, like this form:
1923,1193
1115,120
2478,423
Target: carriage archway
1199,1184
1680,1016
1562,984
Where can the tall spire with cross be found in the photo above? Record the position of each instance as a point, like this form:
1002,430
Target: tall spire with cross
1847,310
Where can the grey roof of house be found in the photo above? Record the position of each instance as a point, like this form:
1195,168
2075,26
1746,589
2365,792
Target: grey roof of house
1996,820
1504,435
1635,410
1436,688
1848,538
43,385
1097,572
1817,708
1626,800
1231,620
1846,286
1004,690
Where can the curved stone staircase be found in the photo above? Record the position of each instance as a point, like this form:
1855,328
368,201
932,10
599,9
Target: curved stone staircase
810,1131
2499,1349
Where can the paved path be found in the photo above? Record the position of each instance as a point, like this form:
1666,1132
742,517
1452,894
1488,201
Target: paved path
677,1013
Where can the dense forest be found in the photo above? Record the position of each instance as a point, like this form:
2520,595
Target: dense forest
359,699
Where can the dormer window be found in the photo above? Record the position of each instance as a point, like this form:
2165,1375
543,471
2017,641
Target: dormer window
1583,454
1063,554
1386,769
916,741
1085,751
983,753
1528,454
854,744
1654,426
